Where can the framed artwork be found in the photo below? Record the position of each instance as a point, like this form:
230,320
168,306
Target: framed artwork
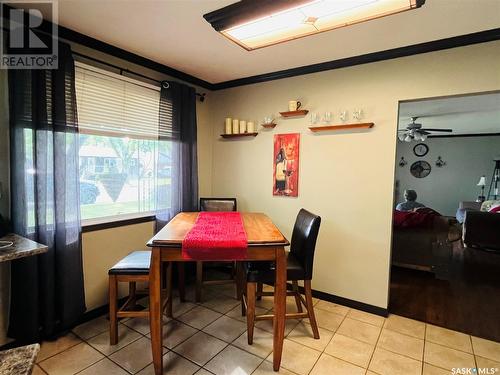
286,164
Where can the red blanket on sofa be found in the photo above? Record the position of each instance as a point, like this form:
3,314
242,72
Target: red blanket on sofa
216,236
412,219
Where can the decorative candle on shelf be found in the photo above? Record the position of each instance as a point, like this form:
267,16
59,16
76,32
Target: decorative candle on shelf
228,125
236,128
243,126
250,127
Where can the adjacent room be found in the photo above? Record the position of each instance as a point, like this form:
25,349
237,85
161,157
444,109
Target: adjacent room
249,187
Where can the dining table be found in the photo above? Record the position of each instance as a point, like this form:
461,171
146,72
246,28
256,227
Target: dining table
265,243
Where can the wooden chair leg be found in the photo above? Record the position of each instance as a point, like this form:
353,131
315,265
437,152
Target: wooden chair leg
182,281
199,280
260,288
310,308
132,289
295,286
113,321
239,279
251,289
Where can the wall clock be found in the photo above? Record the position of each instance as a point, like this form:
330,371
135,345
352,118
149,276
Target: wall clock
421,149
420,169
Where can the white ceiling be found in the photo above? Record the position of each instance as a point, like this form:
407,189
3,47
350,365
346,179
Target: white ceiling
174,33
472,114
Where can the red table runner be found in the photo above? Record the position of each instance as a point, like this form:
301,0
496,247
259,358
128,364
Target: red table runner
216,236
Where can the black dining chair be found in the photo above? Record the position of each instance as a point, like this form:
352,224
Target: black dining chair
215,205
300,261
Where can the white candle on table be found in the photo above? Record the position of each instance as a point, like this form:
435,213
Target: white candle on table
236,127
228,125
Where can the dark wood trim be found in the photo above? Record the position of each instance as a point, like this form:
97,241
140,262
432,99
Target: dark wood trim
464,135
117,223
436,45
372,309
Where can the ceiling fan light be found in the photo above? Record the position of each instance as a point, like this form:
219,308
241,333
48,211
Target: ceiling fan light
401,136
423,137
408,138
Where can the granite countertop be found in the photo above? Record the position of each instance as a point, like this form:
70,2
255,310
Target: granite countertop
21,248
18,361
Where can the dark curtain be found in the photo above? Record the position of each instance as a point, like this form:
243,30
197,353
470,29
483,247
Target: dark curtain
177,134
47,293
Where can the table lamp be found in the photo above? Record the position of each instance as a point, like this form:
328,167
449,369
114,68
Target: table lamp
482,184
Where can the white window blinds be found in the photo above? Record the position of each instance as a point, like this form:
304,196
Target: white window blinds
109,104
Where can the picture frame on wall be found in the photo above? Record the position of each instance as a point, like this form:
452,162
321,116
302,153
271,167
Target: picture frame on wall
286,164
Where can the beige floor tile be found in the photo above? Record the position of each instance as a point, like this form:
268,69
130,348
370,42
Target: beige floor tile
38,371
447,337
447,358
332,307
173,364
200,348
388,363
303,334
135,356
326,319
226,329
407,326
486,348
104,367
125,337
402,344
225,289
50,348
328,365
92,328
297,358
140,325
236,313
267,302
262,343
179,308
221,303
267,325
350,350
202,371
175,332
487,363
362,316
433,370
233,361
266,368
199,317
72,360
359,330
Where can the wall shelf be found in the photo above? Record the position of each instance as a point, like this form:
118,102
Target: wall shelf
269,126
229,136
300,112
366,125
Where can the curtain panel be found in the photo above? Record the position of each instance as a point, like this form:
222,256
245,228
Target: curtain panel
178,130
47,293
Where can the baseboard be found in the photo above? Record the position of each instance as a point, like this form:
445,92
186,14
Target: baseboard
347,302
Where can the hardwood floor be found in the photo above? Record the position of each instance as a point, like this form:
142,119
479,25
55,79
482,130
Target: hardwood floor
468,302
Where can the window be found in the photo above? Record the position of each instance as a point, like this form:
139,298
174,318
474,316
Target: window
124,168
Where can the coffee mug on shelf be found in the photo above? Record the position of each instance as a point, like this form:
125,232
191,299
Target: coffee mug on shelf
294,105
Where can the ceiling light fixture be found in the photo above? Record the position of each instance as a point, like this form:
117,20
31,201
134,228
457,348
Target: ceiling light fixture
260,23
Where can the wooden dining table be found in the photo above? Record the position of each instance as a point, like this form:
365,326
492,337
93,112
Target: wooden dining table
265,243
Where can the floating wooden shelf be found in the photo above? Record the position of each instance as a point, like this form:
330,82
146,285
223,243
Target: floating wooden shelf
300,112
366,125
239,135
269,126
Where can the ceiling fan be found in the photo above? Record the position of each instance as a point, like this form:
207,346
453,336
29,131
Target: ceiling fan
414,131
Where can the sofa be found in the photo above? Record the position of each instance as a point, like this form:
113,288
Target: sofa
424,246
481,229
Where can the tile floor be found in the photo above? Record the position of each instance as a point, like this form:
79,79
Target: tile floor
210,338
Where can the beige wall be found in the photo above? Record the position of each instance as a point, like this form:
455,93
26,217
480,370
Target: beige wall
102,249
348,177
